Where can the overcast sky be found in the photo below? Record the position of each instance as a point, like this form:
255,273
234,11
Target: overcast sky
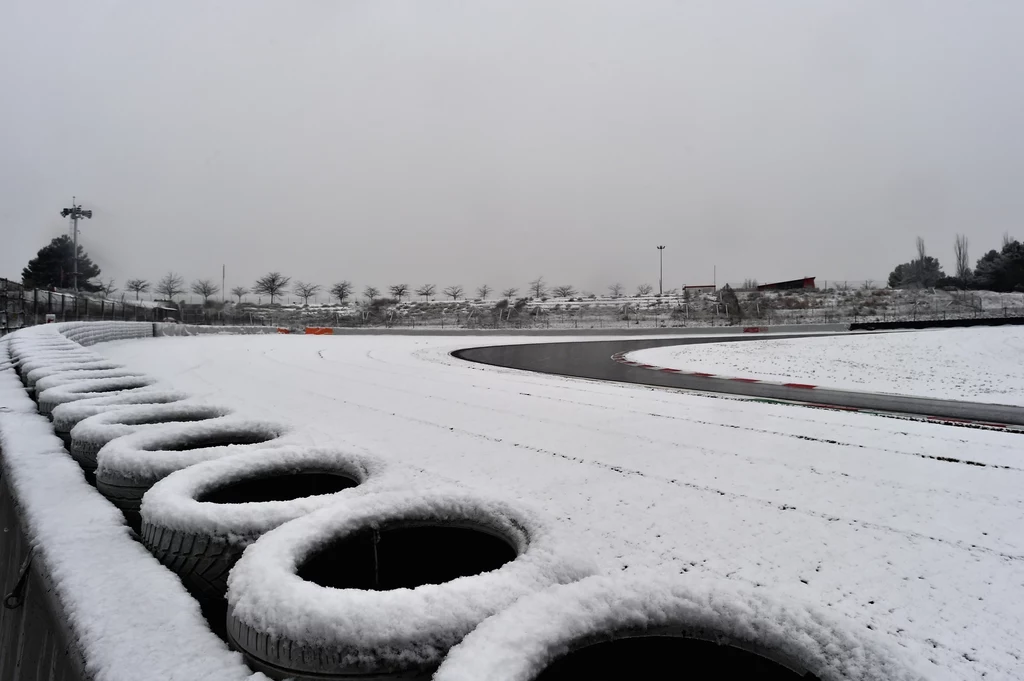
483,141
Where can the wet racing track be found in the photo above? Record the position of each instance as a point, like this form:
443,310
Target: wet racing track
594,360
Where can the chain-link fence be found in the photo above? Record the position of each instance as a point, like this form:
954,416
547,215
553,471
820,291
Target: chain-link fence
21,307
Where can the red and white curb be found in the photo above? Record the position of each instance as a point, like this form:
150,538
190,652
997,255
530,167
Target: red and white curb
620,357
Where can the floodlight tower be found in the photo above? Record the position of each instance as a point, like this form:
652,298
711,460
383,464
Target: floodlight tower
75,212
661,268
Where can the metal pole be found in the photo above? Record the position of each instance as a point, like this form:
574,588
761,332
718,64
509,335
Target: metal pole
74,228
661,269
223,271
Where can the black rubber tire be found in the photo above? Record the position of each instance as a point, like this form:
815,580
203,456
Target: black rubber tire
244,638
126,497
85,454
202,561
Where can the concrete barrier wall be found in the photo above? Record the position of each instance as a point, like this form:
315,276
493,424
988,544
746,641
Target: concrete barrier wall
937,324
35,642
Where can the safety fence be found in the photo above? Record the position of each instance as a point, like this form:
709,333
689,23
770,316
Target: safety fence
21,307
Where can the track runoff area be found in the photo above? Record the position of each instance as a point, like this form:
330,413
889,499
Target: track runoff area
608,361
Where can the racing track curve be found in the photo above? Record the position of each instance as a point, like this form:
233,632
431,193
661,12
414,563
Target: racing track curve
594,360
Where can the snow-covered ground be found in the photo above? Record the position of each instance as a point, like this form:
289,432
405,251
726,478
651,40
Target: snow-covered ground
852,512
981,364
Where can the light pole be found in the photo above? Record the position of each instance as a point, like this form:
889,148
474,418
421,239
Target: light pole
661,268
76,213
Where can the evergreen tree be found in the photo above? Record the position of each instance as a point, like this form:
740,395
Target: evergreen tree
54,266
1001,270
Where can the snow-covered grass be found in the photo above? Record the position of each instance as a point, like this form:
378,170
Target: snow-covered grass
983,364
852,513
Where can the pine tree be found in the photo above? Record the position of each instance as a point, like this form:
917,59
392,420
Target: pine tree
54,265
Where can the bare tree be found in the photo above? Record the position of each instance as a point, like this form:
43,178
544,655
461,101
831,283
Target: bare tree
137,286
108,288
272,284
306,291
963,266
868,285
750,284
426,291
509,292
205,288
171,285
564,291
644,289
483,291
238,292
371,293
616,289
539,287
341,291
399,291
454,291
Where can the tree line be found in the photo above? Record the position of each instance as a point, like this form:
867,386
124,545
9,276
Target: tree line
53,266
1001,270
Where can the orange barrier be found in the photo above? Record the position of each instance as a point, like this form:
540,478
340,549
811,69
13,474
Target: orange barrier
281,329
753,329
319,331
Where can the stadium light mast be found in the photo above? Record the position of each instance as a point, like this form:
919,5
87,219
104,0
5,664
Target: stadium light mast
76,213
661,269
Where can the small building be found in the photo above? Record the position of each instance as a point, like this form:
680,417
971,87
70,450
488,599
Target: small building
697,289
806,282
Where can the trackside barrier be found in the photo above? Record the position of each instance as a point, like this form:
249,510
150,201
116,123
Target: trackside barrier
319,331
937,323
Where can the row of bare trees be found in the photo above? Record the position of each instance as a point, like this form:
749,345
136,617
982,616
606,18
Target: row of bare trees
275,284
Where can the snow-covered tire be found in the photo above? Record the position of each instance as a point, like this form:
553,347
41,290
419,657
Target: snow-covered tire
81,390
642,626
198,520
33,376
66,416
92,433
382,585
76,375
29,363
130,465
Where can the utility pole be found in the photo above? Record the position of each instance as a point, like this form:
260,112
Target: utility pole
661,269
76,213
223,272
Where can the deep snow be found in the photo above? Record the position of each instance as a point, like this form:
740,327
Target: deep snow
982,364
853,513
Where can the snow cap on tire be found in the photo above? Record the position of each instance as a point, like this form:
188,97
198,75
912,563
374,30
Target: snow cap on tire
174,502
325,630
80,390
144,457
521,642
66,416
34,375
92,433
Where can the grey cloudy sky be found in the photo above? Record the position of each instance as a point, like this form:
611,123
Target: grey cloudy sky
493,141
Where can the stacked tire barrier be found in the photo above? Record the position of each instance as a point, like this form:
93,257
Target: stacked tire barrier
323,563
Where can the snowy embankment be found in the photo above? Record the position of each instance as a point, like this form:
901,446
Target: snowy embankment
981,364
852,513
